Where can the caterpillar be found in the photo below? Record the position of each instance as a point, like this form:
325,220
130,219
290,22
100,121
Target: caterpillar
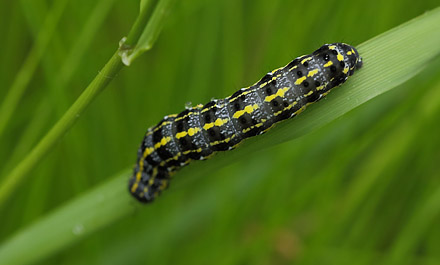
221,124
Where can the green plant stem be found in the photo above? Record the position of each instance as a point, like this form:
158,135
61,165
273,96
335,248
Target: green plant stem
112,67
60,128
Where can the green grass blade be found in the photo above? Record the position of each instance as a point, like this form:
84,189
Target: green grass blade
59,229
22,79
20,172
390,59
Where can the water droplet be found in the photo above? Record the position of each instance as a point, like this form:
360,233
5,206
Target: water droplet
78,229
188,105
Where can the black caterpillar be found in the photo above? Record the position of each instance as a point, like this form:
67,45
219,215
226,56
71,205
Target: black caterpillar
221,124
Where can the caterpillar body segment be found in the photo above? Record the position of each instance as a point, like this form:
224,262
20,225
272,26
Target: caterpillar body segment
221,124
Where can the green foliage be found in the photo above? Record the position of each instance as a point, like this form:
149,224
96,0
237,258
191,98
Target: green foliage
362,189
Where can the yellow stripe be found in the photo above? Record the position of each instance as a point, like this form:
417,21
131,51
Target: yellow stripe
208,126
180,135
276,70
162,142
286,108
306,59
300,80
275,77
252,127
280,93
134,187
153,176
340,57
248,109
149,132
219,122
190,132
192,151
328,64
220,141
313,72
193,131
242,94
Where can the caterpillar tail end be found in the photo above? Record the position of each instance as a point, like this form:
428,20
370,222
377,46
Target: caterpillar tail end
146,188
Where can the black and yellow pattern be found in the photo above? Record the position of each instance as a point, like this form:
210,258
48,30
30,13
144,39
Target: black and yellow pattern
221,124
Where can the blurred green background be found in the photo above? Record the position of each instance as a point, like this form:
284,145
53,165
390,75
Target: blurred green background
364,189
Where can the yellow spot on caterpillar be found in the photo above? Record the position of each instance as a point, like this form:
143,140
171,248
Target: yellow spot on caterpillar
134,187
280,93
180,135
340,57
308,94
221,141
332,47
252,127
294,67
153,176
208,126
306,59
248,109
192,151
328,64
219,122
345,70
162,142
320,88
198,106
275,77
242,94
286,108
300,110
300,80
149,132
190,132
349,53
313,72
325,94
148,151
